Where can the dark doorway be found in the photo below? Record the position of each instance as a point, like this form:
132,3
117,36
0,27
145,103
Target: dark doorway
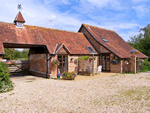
106,62
63,66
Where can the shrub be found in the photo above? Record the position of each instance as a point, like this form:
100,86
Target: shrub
84,58
69,76
146,65
5,82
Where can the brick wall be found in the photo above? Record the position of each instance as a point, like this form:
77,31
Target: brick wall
38,63
115,68
53,68
126,66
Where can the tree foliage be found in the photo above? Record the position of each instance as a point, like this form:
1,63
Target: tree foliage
14,54
141,42
5,82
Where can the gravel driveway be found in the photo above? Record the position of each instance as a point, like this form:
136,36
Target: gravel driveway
118,93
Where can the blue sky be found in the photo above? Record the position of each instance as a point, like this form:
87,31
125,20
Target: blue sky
125,17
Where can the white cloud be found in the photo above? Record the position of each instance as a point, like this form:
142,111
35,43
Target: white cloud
47,15
141,10
118,26
38,15
105,3
56,2
109,4
126,36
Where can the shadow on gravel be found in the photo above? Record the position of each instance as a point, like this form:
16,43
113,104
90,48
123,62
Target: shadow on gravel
20,74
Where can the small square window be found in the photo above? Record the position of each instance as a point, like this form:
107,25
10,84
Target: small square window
90,49
103,38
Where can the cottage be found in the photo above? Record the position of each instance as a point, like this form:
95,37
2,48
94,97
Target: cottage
110,47
51,46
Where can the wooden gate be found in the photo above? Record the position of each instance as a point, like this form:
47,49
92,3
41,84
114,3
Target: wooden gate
17,67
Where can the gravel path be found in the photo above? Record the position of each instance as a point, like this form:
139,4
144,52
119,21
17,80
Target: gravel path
117,94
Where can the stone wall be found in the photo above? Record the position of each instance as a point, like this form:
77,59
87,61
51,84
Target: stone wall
83,65
133,64
72,64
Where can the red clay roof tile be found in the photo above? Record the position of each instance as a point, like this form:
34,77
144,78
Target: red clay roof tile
75,42
115,43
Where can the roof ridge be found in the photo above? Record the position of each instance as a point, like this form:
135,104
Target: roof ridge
45,28
54,29
99,27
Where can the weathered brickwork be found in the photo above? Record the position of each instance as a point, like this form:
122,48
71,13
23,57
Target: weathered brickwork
115,68
53,68
126,66
38,63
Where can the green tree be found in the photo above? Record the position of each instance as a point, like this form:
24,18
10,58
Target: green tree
18,54
141,42
15,54
25,53
9,53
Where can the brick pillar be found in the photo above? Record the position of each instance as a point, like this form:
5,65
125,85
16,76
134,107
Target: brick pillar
133,64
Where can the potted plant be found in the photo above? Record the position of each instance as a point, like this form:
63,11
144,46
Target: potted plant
75,61
58,75
55,62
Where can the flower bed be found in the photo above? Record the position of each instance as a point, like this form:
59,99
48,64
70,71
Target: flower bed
69,75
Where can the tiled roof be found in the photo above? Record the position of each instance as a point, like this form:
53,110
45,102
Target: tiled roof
75,42
115,43
59,46
19,18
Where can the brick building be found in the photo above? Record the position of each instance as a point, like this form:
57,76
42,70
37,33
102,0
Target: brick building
113,51
49,45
